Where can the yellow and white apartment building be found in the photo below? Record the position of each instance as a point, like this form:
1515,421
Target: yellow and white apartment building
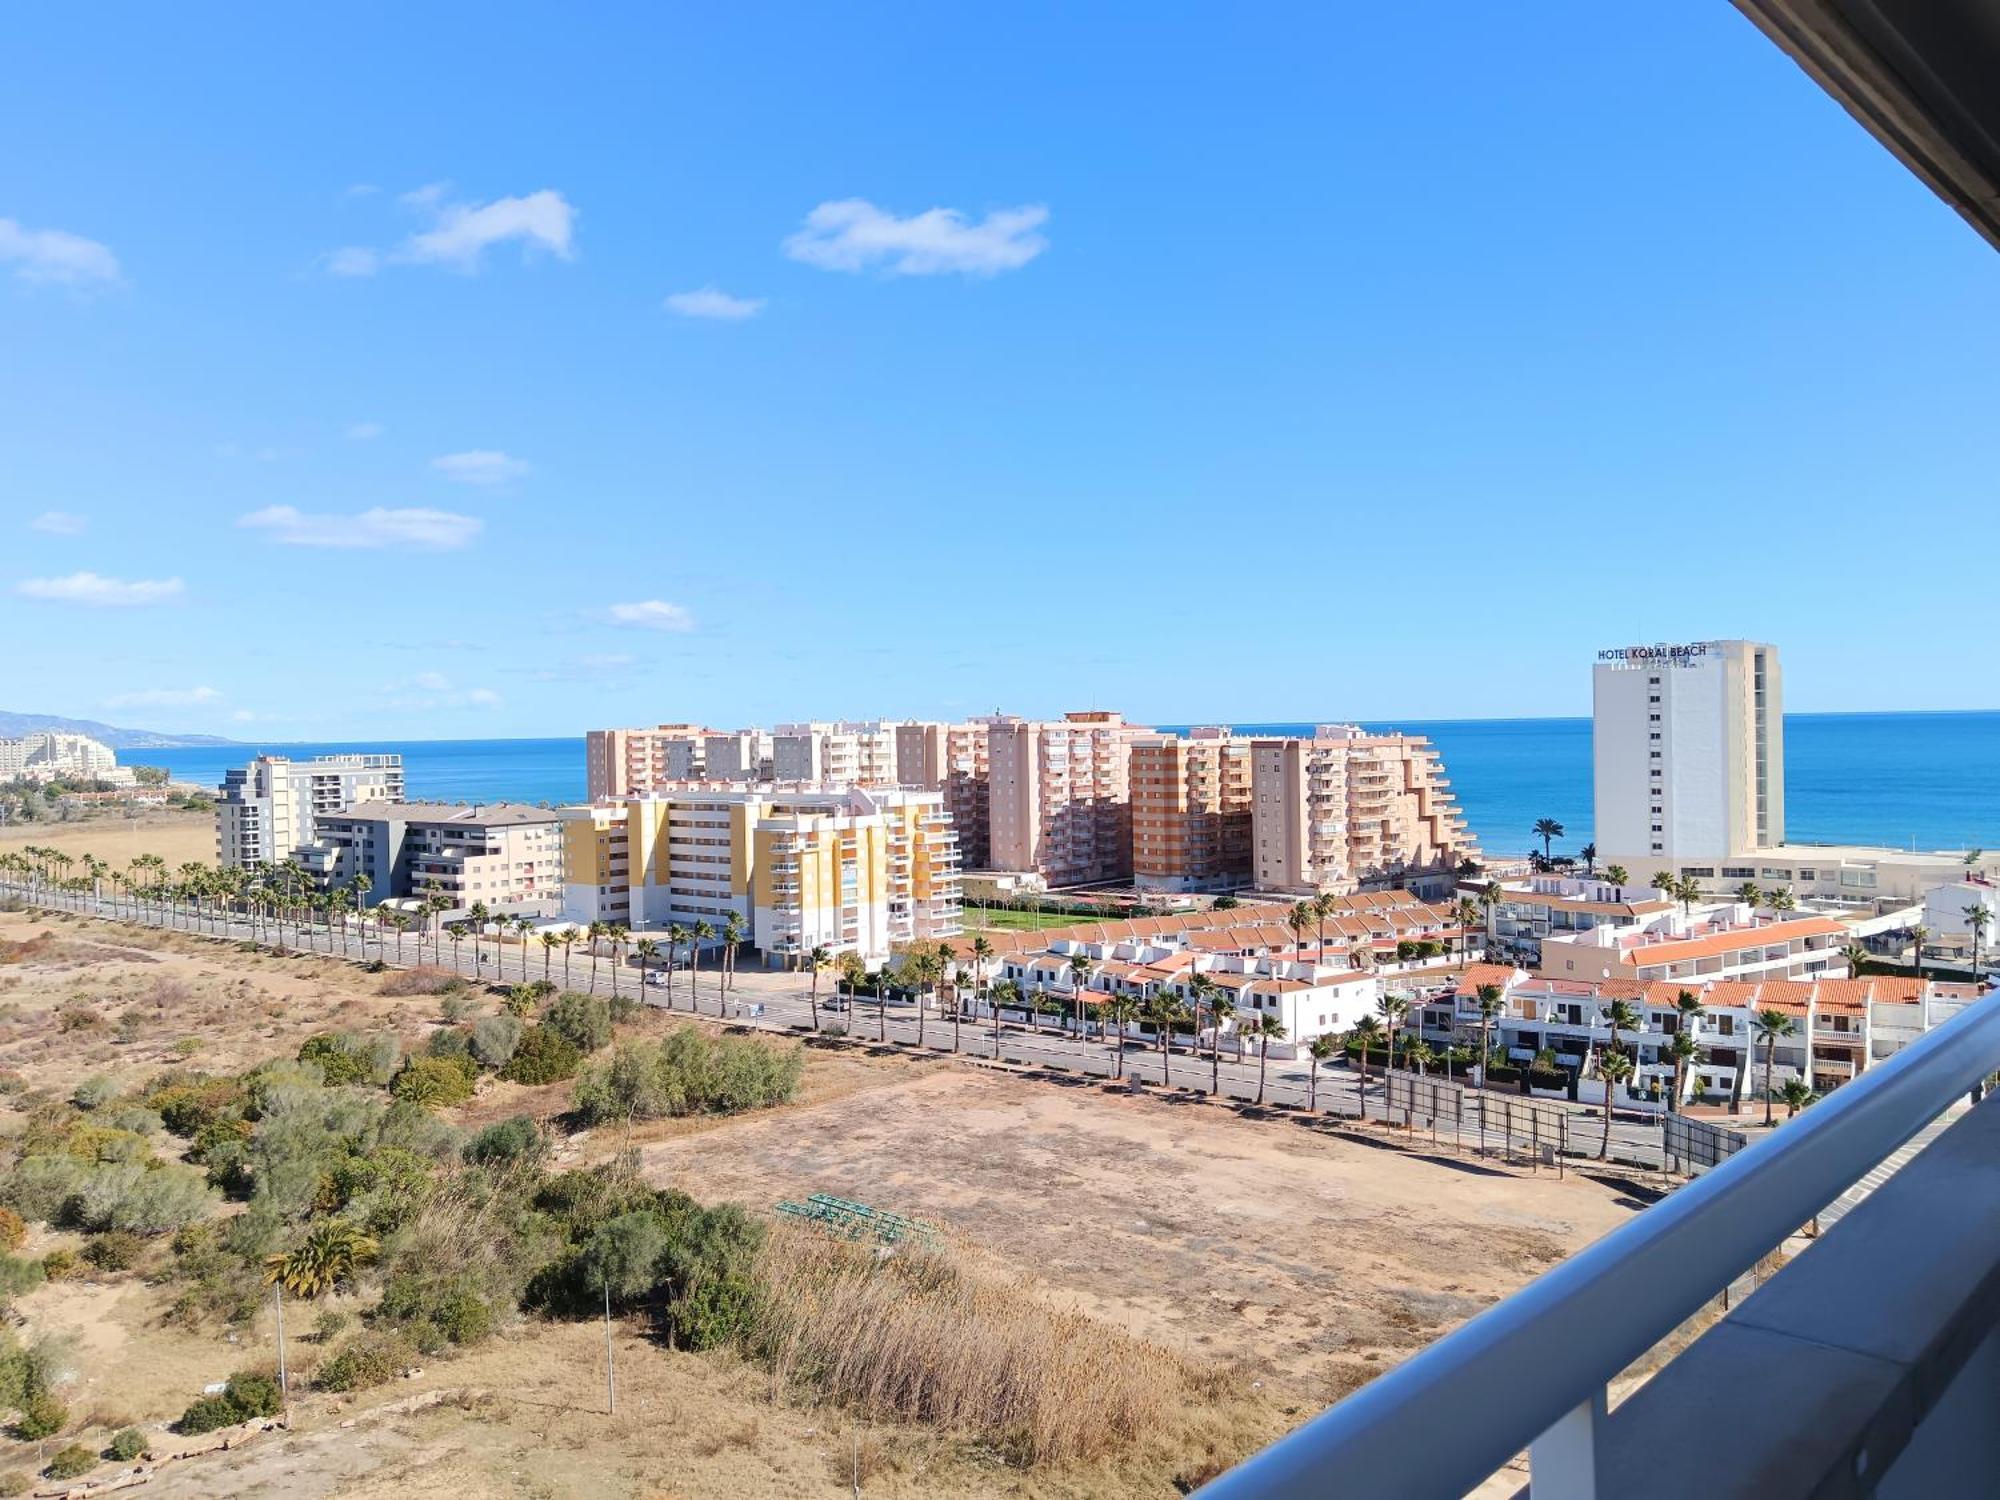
852,870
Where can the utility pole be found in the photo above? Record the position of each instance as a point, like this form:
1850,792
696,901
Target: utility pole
284,1385
610,1379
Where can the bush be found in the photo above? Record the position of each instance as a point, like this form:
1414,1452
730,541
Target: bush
543,1056
70,1462
425,979
451,1041
126,1196
187,1104
206,1414
127,1444
494,1039
344,1057
689,1072
248,1395
18,1277
59,1264
15,1482
517,1139
436,1311
13,1229
583,1020
94,1092
435,1082
114,1250
330,1325
42,1416
368,1360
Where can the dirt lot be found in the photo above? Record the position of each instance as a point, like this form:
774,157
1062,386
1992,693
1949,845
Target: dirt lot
1301,1262
177,837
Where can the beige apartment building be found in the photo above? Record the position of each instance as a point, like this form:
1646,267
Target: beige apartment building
1345,810
846,754
1191,812
953,759
618,762
737,755
1061,800
848,869
504,855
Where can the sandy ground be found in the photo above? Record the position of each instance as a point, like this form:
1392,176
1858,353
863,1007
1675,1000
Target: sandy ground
1304,1262
177,837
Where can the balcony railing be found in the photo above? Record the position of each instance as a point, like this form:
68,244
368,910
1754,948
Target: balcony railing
1532,1372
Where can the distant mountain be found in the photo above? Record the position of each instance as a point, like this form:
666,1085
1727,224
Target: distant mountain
12,726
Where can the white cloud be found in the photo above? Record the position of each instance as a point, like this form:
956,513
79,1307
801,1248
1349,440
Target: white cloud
362,432
589,667
362,190
99,592
417,528
712,303
53,256
852,234
163,698
59,523
244,716
480,466
651,614
352,260
435,690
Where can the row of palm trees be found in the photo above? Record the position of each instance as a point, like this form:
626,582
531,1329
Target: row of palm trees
1311,914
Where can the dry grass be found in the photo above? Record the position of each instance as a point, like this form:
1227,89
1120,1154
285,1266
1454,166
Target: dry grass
923,1335
422,980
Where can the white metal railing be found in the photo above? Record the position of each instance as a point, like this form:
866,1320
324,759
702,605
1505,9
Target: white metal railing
1532,1372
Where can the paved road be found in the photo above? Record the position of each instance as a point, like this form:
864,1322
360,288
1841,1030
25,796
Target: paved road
785,1002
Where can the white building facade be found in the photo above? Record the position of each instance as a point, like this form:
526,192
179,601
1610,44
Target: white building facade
270,808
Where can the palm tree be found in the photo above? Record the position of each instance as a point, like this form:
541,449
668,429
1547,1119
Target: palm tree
1489,998
1919,935
1783,900
677,939
1797,1094
1856,957
456,932
1686,1053
617,935
1614,1068
1120,1010
1166,1010
1221,1007
1417,1052
1619,1015
1688,890
815,960
524,928
1466,913
1768,1026
733,933
649,952
1299,918
702,932
1319,1049
853,971
1081,971
1269,1029
1489,898
593,935
1688,1009
1547,830
982,957
1748,894
331,1252
1392,1009
1618,875
478,915
1366,1033
1977,918
1006,992
1324,905
567,937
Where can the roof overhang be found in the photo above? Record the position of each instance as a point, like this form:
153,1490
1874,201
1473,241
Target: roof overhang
1923,77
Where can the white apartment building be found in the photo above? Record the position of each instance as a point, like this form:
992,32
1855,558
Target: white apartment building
737,755
1688,751
271,807
1060,801
621,761
51,754
953,759
844,754
850,869
506,856
1528,912
1715,942
1346,810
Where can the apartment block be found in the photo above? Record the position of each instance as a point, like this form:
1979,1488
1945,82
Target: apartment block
1061,800
620,761
504,855
846,754
1191,812
52,754
953,759
1345,810
270,808
737,755
851,869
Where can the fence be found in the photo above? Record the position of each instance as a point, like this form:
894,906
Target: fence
1695,1145
1517,1126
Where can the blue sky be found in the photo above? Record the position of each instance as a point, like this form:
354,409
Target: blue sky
1251,363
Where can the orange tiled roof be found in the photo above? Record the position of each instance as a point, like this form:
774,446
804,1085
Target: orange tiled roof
1680,950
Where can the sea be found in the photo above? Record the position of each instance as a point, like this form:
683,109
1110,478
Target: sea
1907,780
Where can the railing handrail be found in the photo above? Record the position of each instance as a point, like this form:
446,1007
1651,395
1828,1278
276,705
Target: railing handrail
1513,1372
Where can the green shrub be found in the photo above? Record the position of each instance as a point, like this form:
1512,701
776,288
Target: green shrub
344,1057
71,1462
494,1039
127,1196
18,1277
15,1482
519,1001
13,1229
254,1394
583,1020
127,1444
114,1250
436,1311
451,1041
543,1056
186,1103
329,1325
206,1414
94,1092
42,1416
517,1139
689,1072
435,1082
135,1118
368,1360
59,1264
623,1008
